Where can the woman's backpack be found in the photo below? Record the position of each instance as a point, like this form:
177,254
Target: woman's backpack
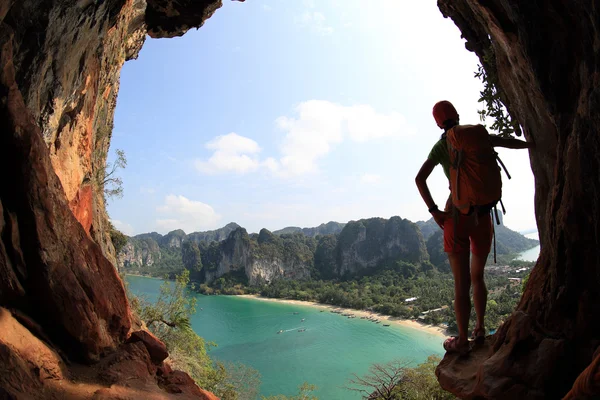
475,181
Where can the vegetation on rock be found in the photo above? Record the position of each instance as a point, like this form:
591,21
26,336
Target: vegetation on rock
397,381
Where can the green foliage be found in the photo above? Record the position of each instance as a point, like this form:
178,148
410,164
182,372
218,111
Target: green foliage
119,240
234,381
304,393
108,181
172,310
491,97
395,380
421,383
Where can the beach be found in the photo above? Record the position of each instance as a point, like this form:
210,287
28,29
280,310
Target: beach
436,330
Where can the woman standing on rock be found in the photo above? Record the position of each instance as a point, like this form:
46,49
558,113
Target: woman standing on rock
469,161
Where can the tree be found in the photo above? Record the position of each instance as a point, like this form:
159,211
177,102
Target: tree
381,382
108,181
305,393
491,98
421,383
396,381
244,380
172,310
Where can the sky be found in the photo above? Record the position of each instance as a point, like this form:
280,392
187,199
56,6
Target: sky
294,113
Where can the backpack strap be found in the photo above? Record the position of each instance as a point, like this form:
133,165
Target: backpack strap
502,205
496,214
494,236
503,166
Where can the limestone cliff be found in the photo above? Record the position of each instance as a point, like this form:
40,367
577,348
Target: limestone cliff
369,243
262,260
216,235
329,228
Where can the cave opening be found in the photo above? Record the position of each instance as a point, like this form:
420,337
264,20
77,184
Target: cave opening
61,63
270,130
301,71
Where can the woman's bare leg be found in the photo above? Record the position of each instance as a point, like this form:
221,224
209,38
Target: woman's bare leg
459,262
479,289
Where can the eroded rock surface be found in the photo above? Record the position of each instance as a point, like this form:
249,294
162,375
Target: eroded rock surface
59,68
547,60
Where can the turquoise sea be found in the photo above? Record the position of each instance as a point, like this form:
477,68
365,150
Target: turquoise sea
533,253
331,349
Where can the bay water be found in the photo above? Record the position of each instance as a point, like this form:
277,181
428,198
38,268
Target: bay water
326,354
533,253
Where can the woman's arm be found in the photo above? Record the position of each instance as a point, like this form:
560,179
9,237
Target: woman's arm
421,181
498,141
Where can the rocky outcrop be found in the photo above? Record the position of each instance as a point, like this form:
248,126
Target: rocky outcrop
369,243
262,260
546,58
146,250
174,239
31,368
59,68
217,235
48,263
139,252
330,228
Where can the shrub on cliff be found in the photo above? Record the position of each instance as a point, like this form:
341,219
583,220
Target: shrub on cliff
395,380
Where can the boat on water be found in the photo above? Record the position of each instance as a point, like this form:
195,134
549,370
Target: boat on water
378,322
301,330
281,331
386,324
296,312
303,319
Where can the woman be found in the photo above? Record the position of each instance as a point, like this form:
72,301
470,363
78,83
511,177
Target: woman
466,237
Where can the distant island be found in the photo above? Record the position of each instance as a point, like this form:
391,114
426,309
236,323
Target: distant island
373,264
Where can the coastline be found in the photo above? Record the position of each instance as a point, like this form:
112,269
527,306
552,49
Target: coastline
144,276
435,330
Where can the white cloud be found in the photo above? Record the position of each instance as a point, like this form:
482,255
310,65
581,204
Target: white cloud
315,21
319,125
232,153
370,179
189,215
122,226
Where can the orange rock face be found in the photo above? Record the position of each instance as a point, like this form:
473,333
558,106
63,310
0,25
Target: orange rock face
59,69
81,206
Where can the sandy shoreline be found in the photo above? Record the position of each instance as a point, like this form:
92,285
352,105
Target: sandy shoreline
144,276
436,330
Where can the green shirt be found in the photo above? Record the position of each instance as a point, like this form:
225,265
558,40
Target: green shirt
439,155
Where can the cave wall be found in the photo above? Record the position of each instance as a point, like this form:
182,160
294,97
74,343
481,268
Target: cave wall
548,65
60,62
68,57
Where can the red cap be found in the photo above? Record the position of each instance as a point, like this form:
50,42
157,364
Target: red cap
444,111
